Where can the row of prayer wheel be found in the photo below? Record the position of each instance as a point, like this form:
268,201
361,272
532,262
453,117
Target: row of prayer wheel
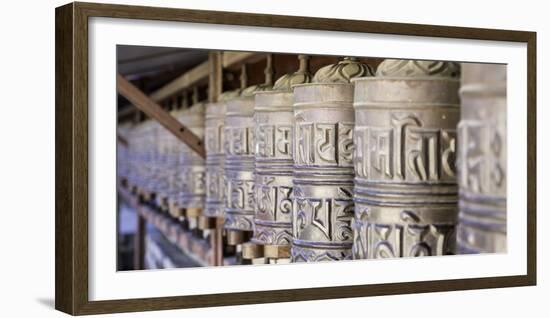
348,163
162,168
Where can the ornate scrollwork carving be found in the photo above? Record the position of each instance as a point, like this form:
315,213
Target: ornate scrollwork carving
301,76
253,89
343,71
414,68
301,254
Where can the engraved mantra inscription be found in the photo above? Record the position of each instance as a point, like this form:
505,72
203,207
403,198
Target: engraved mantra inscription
409,239
273,202
274,141
214,139
240,194
192,187
239,141
322,143
405,151
192,182
214,182
482,157
331,216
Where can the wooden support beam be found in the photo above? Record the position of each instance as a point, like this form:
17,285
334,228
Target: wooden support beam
123,141
215,80
139,243
234,59
184,240
126,112
217,242
202,72
186,80
151,108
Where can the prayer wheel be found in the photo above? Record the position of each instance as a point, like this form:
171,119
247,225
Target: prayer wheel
166,166
482,159
149,163
215,117
323,167
134,155
173,148
239,163
239,159
274,131
124,131
191,167
405,147
215,155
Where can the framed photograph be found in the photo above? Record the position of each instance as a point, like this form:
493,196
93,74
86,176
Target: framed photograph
209,158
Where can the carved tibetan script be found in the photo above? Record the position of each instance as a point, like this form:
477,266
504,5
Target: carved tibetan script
405,150
324,143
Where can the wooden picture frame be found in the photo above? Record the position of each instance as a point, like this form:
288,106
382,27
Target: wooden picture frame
71,221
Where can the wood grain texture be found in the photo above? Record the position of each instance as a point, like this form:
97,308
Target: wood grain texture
155,111
72,153
257,297
297,22
64,235
532,158
80,158
215,72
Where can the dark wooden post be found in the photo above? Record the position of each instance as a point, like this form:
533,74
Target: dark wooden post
139,242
